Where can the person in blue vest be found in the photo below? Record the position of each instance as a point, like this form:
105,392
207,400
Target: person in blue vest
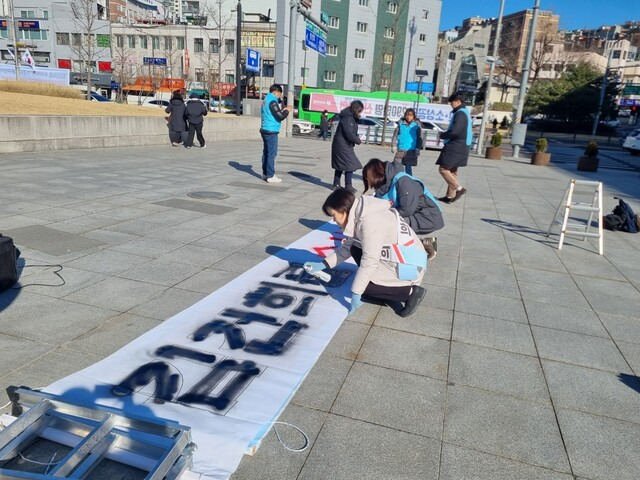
408,139
272,116
409,196
455,153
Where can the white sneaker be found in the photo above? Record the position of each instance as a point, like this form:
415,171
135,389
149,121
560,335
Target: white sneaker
274,179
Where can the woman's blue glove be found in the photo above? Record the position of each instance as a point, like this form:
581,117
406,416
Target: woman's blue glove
356,302
313,267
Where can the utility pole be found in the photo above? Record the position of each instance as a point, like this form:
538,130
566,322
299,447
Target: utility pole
238,54
603,90
487,90
14,31
525,73
293,23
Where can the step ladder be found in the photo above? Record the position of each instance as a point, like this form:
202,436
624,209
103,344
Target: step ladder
86,436
580,188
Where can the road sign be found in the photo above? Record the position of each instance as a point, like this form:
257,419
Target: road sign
628,102
154,60
424,88
253,61
631,90
315,39
324,18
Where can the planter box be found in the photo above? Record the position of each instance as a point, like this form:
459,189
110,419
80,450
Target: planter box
541,159
588,164
493,153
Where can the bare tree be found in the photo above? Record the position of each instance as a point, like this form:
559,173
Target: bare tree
86,16
543,47
124,68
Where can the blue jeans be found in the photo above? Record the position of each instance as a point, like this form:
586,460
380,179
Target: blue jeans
408,169
269,152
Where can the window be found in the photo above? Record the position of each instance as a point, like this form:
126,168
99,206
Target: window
28,13
423,37
62,38
199,75
478,45
155,42
361,27
168,43
180,42
392,7
420,62
389,32
267,68
425,14
359,53
76,39
358,79
304,73
4,33
334,22
119,41
332,50
144,44
452,55
363,3
198,45
214,45
131,39
387,58
384,82
616,54
45,14
229,45
229,76
329,76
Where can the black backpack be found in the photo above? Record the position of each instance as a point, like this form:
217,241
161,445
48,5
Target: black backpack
8,263
622,218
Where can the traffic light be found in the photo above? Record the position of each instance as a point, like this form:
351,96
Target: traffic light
634,109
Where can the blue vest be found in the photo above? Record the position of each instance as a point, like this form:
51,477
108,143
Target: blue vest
408,136
469,125
392,194
269,122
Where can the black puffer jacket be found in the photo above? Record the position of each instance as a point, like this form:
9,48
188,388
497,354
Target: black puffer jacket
418,210
343,157
196,111
177,121
455,152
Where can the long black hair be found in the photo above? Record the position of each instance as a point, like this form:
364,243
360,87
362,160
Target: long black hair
340,200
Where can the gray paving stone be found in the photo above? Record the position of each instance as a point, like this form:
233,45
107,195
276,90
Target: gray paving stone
238,263
347,341
167,303
393,399
381,453
622,328
577,349
367,313
571,319
118,294
429,321
490,306
195,206
320,389
462,463
506,426
494,333
504,285
50,240
112,334
603,303
497,371
207,281
601,448
534,275
107,262
259,186
406,352
147,247
194,255
161,272
269,461
631,354
16,352
439,297
51,284
569,295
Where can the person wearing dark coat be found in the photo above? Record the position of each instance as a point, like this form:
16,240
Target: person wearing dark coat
409,196
176,121
196,111
343,156
324,125
455,152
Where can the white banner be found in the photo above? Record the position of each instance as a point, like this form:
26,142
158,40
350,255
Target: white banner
59,76
228,365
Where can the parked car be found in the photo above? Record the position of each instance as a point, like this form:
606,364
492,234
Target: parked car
476,120
302,127
96,97
632,142
431,135
156,103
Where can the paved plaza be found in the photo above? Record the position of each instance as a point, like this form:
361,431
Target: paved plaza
521,363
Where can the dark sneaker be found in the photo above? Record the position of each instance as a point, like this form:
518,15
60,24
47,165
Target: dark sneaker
431,246
459,193
336,187
203,146
445,199
412,303
351,188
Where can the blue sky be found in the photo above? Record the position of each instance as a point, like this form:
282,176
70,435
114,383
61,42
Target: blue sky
573,13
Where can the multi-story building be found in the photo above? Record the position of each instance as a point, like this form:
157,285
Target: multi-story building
57,38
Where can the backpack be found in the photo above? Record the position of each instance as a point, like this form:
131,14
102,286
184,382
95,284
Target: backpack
622,218
8,263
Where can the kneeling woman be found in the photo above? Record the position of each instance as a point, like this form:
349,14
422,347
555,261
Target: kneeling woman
408,196
391,259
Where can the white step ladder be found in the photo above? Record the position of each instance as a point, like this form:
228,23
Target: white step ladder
571,205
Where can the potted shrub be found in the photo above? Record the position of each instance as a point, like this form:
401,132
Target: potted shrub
494,152
589,161
541,157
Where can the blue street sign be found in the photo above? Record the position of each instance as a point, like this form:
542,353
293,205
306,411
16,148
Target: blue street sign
253,61
424,88
154,61
315,39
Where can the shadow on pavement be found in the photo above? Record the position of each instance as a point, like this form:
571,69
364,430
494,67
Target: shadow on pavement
310,178
318,225
245,169
630,381
8,296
